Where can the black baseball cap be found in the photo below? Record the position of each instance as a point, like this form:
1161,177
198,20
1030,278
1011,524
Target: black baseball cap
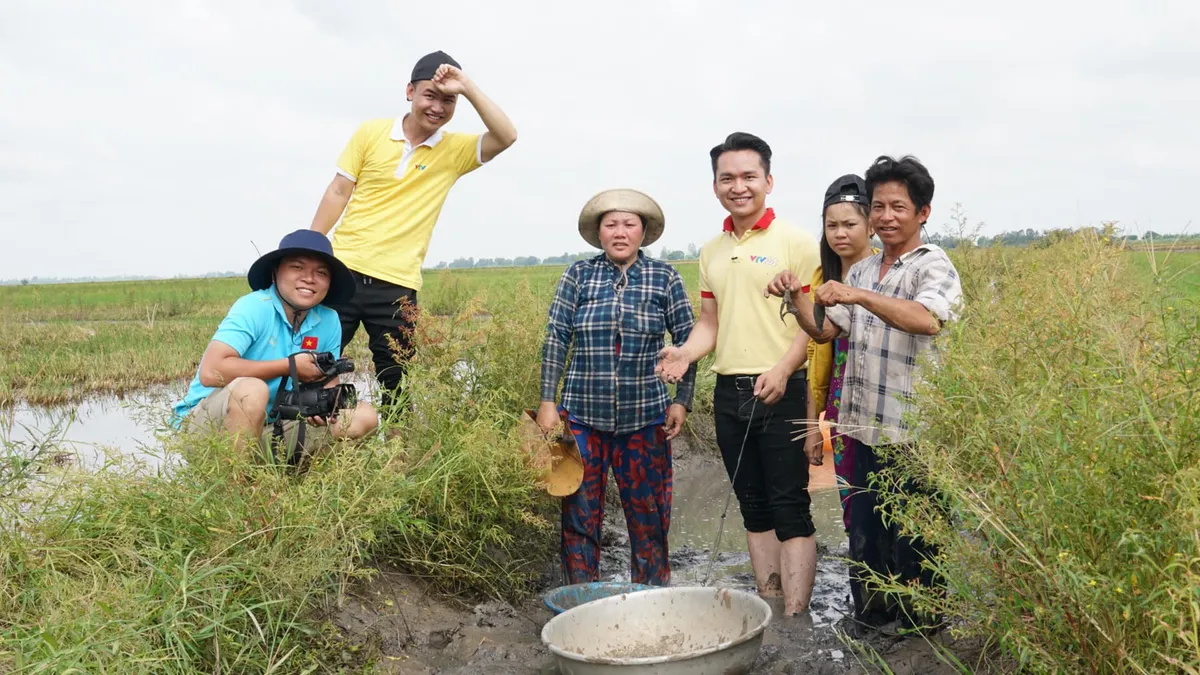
429,64
849,188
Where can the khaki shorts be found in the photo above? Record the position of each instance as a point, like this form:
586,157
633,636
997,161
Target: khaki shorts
209,416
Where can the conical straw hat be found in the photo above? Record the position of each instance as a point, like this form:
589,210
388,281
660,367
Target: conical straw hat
557,459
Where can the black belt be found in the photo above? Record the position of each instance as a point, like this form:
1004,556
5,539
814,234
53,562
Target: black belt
746,382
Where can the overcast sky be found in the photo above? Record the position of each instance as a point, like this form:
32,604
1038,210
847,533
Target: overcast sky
160,137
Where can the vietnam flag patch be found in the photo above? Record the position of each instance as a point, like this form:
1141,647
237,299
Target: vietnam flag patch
309,343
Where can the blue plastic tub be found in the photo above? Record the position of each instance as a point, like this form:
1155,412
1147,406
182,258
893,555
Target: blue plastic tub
563,598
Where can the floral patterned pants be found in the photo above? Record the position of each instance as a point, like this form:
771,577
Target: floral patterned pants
641,462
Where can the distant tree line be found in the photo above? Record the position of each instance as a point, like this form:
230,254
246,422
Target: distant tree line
124,277
664,253
1031,237
958,233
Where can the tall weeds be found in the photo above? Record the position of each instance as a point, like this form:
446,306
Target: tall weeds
1061,431
484,526
219,565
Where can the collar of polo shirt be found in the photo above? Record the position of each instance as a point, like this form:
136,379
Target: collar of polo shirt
398,133
763,223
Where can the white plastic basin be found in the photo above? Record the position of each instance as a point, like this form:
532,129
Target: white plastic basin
664,631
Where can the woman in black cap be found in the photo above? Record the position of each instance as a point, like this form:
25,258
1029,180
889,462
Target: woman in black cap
846,239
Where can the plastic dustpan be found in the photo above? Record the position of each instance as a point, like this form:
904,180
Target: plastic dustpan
563,598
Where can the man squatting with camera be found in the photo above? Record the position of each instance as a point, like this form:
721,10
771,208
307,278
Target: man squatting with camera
281,333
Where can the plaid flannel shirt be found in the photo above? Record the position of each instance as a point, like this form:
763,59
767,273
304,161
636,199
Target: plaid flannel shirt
881,366
614,326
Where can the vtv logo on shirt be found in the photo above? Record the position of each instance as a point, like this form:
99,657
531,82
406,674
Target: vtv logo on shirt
764,260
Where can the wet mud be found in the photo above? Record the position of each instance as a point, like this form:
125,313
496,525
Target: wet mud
405,630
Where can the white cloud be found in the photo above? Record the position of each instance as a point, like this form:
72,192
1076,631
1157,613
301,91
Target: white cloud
160,137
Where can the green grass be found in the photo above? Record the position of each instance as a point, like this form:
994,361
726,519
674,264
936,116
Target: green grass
67,341
1178,272
225,566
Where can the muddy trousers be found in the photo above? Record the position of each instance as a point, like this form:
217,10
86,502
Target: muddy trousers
387,311
641,462
877,543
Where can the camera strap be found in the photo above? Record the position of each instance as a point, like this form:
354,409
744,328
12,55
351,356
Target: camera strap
277,430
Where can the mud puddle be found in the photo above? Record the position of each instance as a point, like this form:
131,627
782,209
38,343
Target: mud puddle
406,631
96,431
103,430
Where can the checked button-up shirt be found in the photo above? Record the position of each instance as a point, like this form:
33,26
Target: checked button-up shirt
882,364
614,325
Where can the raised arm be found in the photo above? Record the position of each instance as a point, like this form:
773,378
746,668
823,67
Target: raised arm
501,133
787,282
938,294
909,316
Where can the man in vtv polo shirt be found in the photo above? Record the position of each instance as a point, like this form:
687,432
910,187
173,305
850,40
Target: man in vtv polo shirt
760,366
392,180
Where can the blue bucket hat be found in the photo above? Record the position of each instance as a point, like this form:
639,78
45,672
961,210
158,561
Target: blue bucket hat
304,242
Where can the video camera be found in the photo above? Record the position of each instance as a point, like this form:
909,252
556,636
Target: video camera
312,399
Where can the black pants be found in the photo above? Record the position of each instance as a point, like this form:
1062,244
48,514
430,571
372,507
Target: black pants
388,312
879,546
772,481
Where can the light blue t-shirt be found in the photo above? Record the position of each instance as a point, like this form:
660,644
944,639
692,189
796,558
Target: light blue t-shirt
257,328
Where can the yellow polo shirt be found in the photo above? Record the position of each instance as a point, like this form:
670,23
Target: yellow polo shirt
750,337
398,193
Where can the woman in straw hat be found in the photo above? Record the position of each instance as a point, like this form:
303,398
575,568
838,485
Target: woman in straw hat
612,312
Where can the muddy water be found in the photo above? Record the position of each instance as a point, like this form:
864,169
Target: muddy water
701,487
105,429
408,631
95,431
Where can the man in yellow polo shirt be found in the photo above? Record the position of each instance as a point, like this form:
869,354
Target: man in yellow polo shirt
760,365
392,180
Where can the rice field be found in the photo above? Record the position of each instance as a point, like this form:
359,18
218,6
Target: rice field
63,342
1069,454
67,341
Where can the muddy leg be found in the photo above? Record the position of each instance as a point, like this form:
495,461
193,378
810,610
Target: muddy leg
743,463
642,465
798,564
583,512
785,476
764,550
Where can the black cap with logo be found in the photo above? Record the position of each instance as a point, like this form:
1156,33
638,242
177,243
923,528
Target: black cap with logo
849,188
429,64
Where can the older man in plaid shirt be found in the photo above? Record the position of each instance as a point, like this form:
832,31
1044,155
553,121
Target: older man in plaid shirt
613,311
892,305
